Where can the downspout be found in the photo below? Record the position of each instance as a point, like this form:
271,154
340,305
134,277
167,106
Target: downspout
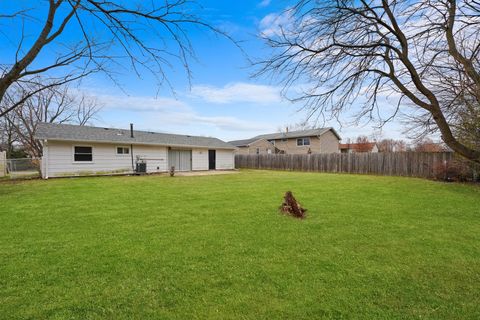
131,154
131,146
45,159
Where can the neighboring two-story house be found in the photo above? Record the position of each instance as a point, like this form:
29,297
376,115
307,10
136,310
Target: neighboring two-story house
320,140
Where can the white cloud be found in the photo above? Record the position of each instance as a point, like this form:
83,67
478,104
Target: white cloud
220,122
166,114
139,103
264,3
238,92
273,23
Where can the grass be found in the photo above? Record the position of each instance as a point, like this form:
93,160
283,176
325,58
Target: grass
215,247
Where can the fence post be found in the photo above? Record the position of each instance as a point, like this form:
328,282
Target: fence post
3,163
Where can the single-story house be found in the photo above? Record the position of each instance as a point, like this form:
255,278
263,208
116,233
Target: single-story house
358,147
320,140
72,150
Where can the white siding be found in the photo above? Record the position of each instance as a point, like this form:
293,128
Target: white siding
225,160
200,159
155,156
59,161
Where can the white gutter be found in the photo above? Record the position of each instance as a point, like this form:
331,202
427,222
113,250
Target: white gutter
145,143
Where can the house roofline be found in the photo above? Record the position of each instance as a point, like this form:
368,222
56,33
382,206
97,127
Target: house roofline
137,143
334,132
260,140
325,130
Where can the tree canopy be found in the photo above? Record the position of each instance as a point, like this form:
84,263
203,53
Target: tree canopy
426,53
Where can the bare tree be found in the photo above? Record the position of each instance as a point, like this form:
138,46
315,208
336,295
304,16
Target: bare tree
363,144
358,52
109,36
467,122
299,126
428,145
8,135
391,145
52,105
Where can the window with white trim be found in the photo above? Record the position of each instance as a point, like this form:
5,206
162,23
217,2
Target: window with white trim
82,154
303,142
123,150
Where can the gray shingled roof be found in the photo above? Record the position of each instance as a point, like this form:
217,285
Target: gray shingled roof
68,132
242,143
284,135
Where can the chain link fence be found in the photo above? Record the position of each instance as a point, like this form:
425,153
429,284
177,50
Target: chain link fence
20,168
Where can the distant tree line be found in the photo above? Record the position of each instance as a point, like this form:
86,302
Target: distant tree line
57,104
363,144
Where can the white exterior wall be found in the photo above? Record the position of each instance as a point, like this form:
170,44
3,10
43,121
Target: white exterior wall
58,159
199,159
155,156
225,160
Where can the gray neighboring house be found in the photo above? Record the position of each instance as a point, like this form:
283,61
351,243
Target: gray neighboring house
72,150
320,140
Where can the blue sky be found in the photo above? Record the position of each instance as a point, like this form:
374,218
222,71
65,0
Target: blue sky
223,99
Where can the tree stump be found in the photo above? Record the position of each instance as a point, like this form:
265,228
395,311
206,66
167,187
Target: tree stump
292,207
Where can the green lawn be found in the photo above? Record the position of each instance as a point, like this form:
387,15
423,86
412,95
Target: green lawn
215,247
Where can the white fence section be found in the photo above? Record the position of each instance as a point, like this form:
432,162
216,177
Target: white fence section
3,164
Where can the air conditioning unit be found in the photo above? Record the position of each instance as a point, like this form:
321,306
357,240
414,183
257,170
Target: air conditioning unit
141,167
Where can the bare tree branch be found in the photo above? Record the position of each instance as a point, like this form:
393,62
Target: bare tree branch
348,52
57,104
115,35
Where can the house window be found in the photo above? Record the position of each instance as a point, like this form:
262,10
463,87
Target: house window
303,142
258,150
82,154
123,150
272,141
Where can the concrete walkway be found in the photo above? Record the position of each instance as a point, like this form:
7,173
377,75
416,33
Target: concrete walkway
204,173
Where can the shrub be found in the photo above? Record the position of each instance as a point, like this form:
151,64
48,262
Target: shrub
456,170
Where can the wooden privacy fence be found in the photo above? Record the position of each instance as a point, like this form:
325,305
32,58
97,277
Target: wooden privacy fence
411,164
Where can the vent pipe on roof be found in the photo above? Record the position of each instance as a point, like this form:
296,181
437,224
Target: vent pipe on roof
131,130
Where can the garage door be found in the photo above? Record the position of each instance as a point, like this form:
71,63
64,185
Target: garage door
180,159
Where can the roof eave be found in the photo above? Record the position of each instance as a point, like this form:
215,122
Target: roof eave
137,143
